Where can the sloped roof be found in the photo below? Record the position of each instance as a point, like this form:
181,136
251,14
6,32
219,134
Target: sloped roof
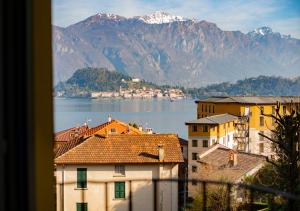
71,133
214,120
123,149
215,165
100,130
252,99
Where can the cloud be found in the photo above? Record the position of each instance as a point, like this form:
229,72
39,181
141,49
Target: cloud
244,15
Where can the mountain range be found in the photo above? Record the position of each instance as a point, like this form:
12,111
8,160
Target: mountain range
169,49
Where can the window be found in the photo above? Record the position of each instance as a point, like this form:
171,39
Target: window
261,147
261,121
194,128
119,190
194,156
284,109
261,138
205,108
213,107
202,107
194,182
81,178
113,130
205,143
213,141
228,124
205,128
194,143
209,109
81,206
194,169
273,110
261,110
120,169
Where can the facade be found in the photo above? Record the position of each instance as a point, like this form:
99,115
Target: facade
250,119
96,174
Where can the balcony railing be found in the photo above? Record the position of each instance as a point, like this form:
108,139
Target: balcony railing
251,195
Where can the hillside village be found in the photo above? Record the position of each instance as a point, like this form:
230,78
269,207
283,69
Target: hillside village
136,168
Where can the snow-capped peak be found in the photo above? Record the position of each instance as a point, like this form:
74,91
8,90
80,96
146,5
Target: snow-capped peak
161,17
108,15
262,31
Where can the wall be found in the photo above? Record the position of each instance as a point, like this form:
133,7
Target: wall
94,194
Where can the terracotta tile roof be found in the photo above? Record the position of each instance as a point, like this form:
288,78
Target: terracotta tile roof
103,129
71,133
215,165
123,149
123,128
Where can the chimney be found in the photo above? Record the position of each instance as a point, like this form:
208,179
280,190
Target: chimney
140,128
161,153
109,118
233,158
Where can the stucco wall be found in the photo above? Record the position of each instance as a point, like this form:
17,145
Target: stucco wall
95,194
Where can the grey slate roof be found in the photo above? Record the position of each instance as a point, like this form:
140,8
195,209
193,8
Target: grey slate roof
252,99
214,120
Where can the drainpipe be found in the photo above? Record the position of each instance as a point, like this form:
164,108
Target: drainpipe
63,189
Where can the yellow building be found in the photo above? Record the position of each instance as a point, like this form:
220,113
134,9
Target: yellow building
249,121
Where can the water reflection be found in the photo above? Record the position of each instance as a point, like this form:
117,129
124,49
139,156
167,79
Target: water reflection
161,115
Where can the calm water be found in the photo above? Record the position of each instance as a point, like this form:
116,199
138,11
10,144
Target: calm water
162,116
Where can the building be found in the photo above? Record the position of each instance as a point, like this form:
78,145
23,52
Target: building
207,131
112,126
244,120
96,173
64,136
220,163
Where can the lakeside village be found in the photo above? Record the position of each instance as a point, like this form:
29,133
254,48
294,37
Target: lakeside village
134,93
121,166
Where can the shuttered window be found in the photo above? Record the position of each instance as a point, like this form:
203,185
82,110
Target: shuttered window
81,207
81,178
119,190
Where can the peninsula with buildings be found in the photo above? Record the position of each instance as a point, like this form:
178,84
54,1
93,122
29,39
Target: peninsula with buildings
101,83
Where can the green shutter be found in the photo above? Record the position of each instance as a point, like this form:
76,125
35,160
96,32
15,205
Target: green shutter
81,178
81,207
119,190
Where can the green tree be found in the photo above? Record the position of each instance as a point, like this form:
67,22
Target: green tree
285,140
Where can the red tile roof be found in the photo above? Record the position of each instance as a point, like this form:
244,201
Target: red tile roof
71,133
215,164
123,149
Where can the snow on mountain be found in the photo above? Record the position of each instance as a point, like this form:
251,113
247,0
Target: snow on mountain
263,31
161,17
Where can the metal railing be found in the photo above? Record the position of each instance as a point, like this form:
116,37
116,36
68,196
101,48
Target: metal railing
251,195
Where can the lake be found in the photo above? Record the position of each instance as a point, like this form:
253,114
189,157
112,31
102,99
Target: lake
161,115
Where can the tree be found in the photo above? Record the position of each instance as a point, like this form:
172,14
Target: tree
285,140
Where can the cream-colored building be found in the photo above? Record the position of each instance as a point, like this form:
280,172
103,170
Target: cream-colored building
116,172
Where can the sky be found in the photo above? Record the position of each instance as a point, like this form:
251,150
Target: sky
244,15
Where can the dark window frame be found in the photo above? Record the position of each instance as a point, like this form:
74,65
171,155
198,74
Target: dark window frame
120,194
81,177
